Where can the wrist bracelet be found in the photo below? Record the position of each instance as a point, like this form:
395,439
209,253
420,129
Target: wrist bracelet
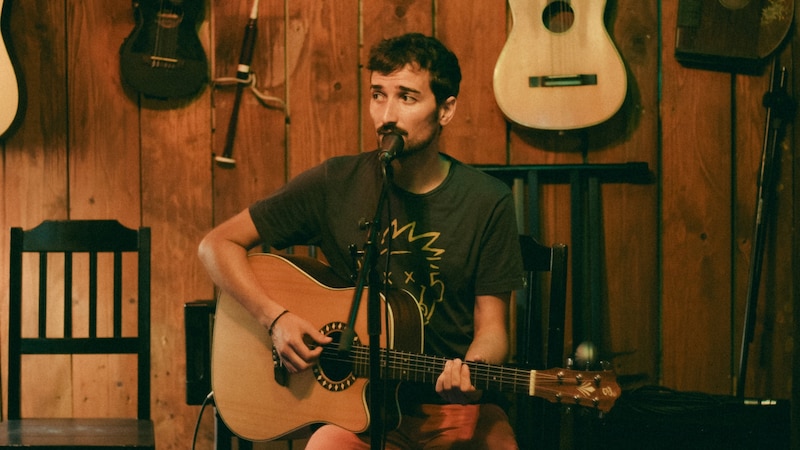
275,320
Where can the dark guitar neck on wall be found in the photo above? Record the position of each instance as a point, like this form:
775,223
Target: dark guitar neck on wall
730,35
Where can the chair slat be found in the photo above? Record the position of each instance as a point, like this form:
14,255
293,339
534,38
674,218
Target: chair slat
117,294
79,346
42,293
67,294
93,294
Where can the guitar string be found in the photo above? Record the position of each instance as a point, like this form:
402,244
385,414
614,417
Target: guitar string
155,61
559,389
165,49
428,367
554,385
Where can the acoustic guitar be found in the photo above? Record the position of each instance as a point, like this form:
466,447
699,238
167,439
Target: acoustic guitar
9,84
559,69
258,400
730,35
163,56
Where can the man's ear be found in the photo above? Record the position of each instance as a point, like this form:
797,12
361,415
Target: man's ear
447,110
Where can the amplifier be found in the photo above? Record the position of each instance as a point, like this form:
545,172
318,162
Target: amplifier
199,322
659,418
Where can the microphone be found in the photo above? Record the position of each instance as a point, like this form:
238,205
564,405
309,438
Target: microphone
391,147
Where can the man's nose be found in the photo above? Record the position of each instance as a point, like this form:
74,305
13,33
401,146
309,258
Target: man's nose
390,111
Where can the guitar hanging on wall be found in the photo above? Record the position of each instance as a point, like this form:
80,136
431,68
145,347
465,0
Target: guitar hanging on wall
163,56
730,35
559,69
10,111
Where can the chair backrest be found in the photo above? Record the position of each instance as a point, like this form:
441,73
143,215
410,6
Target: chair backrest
64,247
539,261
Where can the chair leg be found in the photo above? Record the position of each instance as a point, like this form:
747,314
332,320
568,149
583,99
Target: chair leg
224,437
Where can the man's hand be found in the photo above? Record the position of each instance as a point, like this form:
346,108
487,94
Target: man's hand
297,342
454,383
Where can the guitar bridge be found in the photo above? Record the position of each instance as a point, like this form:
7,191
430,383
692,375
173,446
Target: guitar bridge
562,80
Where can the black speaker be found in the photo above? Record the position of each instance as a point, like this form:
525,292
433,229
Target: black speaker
659,418
198,322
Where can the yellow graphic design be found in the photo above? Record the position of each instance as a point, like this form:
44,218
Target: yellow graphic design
427,289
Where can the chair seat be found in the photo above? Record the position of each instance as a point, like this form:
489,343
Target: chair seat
77,434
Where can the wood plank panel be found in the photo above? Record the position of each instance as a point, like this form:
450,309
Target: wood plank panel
323,88
179,213
35,169
176,193
696,222
630,260
103,173
477,134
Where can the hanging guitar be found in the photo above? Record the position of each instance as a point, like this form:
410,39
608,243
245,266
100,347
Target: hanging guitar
559,69
10,112
163,56
731,35
259,400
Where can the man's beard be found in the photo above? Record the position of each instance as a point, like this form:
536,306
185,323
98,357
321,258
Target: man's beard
411,148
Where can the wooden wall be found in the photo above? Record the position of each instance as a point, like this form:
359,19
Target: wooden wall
674,252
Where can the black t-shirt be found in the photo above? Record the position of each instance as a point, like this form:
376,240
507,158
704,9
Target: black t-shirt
447,246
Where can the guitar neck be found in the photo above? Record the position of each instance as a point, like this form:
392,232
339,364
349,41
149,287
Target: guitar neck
406,366
595,389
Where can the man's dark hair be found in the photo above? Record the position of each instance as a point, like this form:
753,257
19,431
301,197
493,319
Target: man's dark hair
426,52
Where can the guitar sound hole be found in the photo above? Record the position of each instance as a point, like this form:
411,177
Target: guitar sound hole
337,368
558,16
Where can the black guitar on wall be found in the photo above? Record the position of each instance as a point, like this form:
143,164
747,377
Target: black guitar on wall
731,35
163,56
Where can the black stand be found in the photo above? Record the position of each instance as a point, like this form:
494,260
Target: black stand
779,109
368,276
585,181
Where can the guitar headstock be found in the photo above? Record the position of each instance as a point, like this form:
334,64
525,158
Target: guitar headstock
591,389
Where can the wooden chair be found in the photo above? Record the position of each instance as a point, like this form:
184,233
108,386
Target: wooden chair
540,337
65,247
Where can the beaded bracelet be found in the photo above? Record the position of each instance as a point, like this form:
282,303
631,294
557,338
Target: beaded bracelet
276,319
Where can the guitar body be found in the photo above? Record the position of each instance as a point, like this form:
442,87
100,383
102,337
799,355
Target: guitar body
731,35
9,85
559,69
163,56
249,398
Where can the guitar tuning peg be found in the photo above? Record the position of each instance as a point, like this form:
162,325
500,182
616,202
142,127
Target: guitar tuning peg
605,365
570,363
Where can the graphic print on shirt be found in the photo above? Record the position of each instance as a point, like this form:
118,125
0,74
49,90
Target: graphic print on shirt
423,280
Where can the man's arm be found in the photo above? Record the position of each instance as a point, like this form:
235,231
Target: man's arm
223,252
490,345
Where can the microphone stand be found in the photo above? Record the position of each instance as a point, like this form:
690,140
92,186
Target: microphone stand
370,277
780,107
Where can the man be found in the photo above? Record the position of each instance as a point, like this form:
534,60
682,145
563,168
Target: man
451,233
